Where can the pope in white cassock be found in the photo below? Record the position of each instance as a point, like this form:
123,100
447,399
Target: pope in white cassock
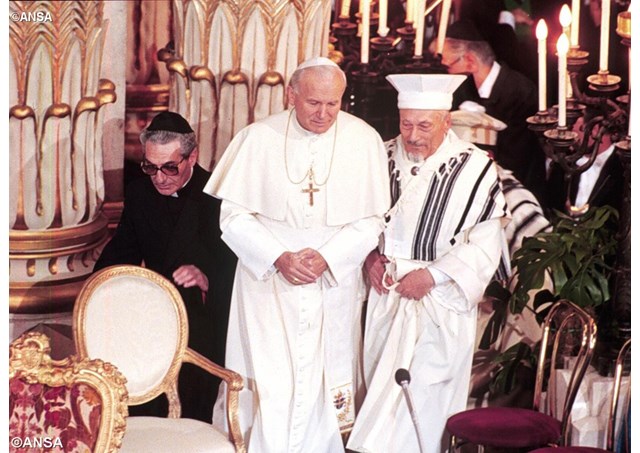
304,193
441,246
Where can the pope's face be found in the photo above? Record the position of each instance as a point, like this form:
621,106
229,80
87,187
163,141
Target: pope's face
317,99
169,153
423,131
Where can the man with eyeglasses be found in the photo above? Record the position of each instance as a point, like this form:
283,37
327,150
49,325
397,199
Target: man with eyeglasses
502,93
172,227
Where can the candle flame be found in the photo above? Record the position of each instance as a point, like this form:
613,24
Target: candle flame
541,29
563,44
565,15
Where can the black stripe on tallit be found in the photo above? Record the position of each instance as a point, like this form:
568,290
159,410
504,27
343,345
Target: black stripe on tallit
490,203
531,218
472,195
431,219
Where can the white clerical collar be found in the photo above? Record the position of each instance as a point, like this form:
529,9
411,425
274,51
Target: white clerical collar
485,88
175,194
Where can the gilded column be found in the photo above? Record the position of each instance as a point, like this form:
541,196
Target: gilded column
231,60
56,116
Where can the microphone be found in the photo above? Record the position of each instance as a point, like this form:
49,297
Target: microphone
403,378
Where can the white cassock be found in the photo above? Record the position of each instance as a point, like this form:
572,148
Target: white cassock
296,346
448,218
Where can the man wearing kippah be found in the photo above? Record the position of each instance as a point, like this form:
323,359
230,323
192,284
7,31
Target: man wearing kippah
506,95
172,227
440,248
304,193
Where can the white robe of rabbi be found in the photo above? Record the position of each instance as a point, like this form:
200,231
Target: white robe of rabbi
449,217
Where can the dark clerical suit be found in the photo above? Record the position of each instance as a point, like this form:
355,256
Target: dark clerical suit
512,100
164,233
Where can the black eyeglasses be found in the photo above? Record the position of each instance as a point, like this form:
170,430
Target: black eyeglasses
454,61
169,169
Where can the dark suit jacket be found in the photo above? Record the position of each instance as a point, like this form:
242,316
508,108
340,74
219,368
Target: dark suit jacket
149,233
163,233
606,191
513,99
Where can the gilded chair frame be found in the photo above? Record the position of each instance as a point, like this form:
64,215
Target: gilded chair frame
551,332
615,400
570,311
183,354
30,361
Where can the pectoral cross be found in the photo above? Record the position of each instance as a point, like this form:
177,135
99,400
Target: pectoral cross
311,190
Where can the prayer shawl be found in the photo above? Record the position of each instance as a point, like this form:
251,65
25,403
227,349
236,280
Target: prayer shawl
448,215
453,190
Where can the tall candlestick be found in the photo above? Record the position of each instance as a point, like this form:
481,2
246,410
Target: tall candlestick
541,34
563,48
604,36
410,10
419,28
364,40
442,28
344,10
383,30
575,23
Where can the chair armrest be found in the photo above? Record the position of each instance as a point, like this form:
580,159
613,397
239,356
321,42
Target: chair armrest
234,385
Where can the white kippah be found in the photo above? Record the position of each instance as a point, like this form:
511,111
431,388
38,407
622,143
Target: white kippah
425,91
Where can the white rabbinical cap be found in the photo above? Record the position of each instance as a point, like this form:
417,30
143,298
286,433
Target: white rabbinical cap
320,61
425,91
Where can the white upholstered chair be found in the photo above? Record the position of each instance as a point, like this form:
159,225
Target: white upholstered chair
135,318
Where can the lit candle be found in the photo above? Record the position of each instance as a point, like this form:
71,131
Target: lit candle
364,41
419,28
563,48
383,30
541,34
344,10
410,6
575,22
442,28
565,18
604,36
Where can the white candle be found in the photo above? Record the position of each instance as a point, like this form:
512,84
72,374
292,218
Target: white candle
410,6
383,30
563,48
442,28
565,18
541,34
419,28
575,22
604,36
364,41
344,10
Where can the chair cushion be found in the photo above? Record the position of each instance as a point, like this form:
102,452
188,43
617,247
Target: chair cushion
505,427
570,450
184,435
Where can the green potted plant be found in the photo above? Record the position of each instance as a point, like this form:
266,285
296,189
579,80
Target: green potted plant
577,255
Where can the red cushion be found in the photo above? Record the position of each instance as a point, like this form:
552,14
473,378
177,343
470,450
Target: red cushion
506,427
570,450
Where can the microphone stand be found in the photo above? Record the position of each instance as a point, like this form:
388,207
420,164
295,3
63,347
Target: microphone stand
403,378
